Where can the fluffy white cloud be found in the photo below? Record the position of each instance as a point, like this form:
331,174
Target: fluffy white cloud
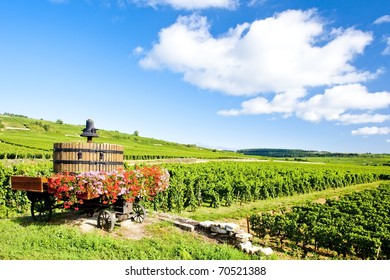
371,131
191,4
285,103
276,54
335,104
383,19
363,118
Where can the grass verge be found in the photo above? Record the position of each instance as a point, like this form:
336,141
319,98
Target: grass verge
23,240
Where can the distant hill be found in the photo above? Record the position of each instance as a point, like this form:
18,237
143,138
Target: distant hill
319,156
23,137
292,153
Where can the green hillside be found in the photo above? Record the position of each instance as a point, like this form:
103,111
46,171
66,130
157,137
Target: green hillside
23,137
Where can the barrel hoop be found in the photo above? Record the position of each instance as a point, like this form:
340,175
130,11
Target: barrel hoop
87,150
88,162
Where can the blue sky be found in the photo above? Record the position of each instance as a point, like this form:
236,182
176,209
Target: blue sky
216,73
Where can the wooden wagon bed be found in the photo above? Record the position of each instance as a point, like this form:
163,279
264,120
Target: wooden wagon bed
29,184
42,203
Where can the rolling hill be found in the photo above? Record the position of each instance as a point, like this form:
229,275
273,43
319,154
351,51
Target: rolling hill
23,137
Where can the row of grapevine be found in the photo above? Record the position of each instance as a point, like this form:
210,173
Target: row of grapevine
10,151
222,183
357,225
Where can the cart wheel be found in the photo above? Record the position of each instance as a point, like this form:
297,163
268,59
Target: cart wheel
139,213
41,208
106,220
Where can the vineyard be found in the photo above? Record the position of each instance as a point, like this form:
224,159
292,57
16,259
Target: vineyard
357,225
222,183
14,151
216,184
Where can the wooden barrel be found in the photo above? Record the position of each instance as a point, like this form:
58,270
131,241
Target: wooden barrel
82,157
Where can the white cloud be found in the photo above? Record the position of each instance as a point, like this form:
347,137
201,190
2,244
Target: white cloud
138,51
371,131
276,54
285,103
387,49
383,19
363,118
191,4
388,140
254,3
335,104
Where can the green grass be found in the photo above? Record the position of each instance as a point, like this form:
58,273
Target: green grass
239,211
23,240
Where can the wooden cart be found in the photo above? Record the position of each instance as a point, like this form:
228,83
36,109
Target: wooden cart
43,203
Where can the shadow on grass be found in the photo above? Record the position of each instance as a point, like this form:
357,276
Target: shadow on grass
59,217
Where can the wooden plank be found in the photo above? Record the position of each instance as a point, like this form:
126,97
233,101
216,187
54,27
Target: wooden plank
82,167
55,155
107,157
32,184
118,157
60,166
102,166
79,165
86,157
114,156
66,155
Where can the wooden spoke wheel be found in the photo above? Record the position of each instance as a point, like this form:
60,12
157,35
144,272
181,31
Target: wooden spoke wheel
139,213
41,208
106,220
